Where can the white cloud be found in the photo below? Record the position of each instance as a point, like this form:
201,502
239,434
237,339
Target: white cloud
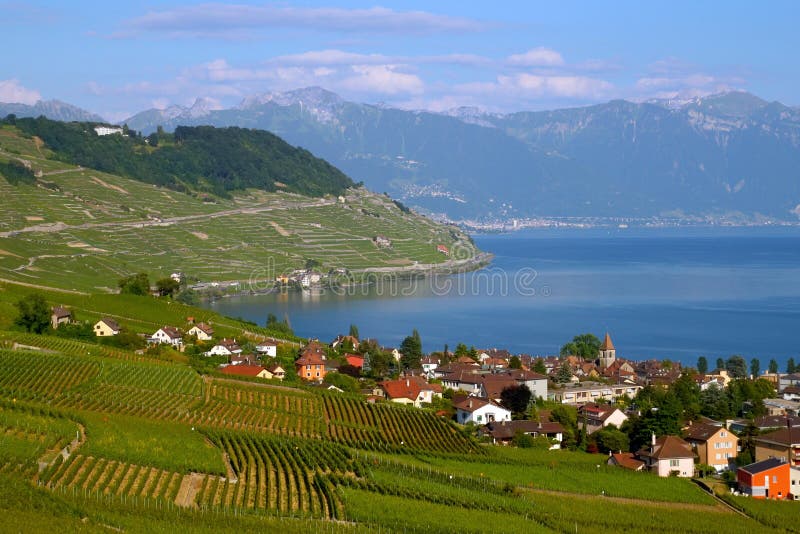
12,92
330,57
536,57
231,20
382,79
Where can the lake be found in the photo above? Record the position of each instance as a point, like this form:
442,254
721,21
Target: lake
661,293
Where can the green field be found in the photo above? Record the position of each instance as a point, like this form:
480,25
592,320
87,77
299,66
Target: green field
80,229
160,446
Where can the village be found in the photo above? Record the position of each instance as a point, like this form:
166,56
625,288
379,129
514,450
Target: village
652,416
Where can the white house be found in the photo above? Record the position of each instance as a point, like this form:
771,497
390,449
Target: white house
480,411
667,455
226,347
202,332
429,365
598,416
107,130
168,335
267,348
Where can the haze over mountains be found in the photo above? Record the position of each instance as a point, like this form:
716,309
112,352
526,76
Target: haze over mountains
726,155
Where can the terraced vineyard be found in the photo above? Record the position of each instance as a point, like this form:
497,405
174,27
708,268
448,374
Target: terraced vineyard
42,376
289,476
109,477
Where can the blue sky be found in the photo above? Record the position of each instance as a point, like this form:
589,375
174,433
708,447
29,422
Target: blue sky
118,58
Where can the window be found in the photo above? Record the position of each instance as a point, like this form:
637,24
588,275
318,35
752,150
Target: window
674,463
479,418
718,456
774,479
723,434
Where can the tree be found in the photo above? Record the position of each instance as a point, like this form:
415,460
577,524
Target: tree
350,370
188,296
587,346
461,350
790,366
135,284
354,331
610,438
167,286
411,347
714,403
539,366
564,373
755,368
702,365
34,314
720,363
736,366
343,382
773,366
516,398
515,363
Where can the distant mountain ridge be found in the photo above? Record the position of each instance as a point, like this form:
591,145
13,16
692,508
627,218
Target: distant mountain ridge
52,109
731,153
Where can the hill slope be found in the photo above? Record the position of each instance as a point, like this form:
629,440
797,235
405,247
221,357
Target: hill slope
717,155
71,227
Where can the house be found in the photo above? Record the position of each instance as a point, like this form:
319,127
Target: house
480,411
107,130
413,390
106,327
167,335
782,406
443,249
247,370
382,241
60,315
785,381
625,460
311,363
667,455
226,347
715,445
429,365
767,479
504,431
355,360
585,392
202,332
598,416
242,359
267,348
783,443
277,371
345,341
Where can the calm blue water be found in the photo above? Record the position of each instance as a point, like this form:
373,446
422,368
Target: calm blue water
660,293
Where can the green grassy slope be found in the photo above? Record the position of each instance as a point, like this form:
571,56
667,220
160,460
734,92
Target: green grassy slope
82,229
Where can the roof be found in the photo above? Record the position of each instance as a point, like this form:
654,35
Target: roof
508,429
243,370
701,432
60,311
171,331
310,358
607,344
408,388
627,461
109,322
355,360
784,436
276,368
472,404
763,465
667,447
208,330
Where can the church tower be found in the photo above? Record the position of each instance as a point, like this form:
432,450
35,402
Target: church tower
607,353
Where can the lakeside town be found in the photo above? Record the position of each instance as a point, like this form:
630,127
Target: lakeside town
727,423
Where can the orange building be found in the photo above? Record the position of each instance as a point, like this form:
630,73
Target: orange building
311,363
767,479
714,445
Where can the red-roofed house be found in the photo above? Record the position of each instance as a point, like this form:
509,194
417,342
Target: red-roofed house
311,364
715,445
60,315
667,455
411,390
246,370
598,416
480,411
355,360
626,460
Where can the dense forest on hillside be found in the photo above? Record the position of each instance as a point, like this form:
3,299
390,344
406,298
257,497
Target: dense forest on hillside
202,158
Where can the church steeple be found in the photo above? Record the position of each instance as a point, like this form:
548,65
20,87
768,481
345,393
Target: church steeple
607,352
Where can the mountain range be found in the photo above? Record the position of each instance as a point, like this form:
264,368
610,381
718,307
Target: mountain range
725,155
